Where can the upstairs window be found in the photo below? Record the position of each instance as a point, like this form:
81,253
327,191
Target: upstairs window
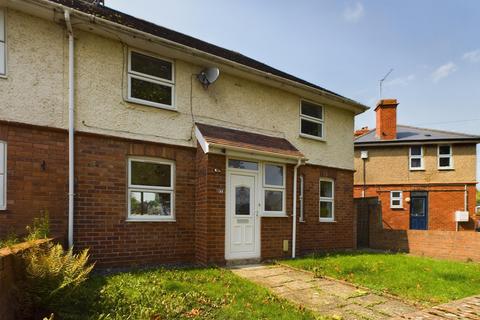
150,189
3,52
311,120
150,80
396,199
445,157
416,158
327,204
274,189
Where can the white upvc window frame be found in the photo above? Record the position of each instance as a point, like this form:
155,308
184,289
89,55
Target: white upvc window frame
132,188
149,78
442,156
399,198
312,119
3,42
301,198
326,199
266,187
421,157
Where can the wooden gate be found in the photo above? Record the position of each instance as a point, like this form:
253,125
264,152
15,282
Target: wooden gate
365,208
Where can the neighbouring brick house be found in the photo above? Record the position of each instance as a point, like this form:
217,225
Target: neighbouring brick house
169,166
422,177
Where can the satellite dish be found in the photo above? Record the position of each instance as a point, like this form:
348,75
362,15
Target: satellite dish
208,76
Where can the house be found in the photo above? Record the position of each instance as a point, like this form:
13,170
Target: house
150,146
422,177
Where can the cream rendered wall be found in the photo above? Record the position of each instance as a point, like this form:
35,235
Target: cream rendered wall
389,165
38,50
34,89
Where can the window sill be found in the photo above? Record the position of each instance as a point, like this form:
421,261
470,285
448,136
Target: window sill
446,169
273,215
417,169
150,220
151,104
307,136
328,221
3,76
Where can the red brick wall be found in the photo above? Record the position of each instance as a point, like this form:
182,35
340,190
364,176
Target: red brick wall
198,235
314,235
210,208
32,190
462,245
101,205
443,201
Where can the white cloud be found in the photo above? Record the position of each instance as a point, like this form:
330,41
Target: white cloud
354,13
400,81
444,71
472,56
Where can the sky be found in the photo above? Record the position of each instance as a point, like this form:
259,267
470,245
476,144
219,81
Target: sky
433,47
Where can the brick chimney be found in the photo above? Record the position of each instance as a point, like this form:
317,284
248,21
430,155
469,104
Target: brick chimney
386,119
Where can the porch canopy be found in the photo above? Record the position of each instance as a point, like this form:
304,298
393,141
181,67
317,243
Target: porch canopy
212,137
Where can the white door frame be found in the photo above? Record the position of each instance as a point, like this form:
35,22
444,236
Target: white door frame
228,215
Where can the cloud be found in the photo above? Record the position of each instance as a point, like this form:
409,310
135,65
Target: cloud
472,56
354,13
400,81
444,71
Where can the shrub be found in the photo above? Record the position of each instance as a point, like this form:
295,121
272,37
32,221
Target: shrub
51,275
40,228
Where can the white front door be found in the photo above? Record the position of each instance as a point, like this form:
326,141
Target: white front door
243,233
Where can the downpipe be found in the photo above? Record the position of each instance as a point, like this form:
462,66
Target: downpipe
71,122
294,220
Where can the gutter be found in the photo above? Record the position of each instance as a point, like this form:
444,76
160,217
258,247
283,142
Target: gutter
415,142
198,53
71,123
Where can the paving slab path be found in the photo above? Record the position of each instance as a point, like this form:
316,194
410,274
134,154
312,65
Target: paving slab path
324,296
468,308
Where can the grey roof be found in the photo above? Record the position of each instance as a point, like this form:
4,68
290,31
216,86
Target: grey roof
414,134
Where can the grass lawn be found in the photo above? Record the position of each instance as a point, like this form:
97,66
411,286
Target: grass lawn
175,294
424,280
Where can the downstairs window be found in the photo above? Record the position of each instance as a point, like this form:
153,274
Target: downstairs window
151,189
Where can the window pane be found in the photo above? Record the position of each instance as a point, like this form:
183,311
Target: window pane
240,164
444,162
395,194
312,110
150,203
326,209
444,150
150,91
418,207
273,175
2,58
242,201
151,174
396,203
416,163
311,128
151,66
326,189
273,200
416,151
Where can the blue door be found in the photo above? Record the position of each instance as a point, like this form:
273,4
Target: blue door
418,211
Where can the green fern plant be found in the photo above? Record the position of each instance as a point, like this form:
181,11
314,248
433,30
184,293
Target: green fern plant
52,274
